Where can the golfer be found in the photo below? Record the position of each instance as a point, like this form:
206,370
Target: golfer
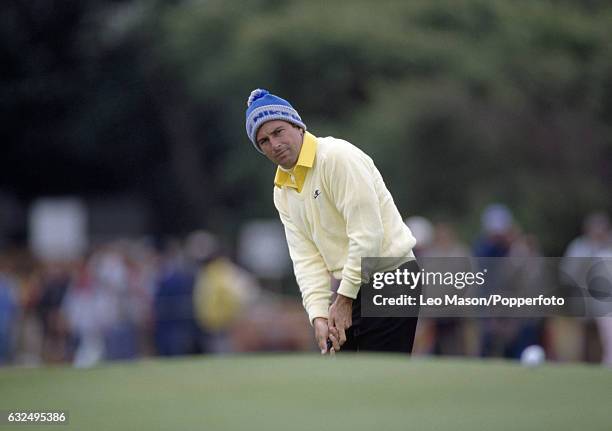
336,209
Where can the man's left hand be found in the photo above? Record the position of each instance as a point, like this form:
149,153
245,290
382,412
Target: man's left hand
340,317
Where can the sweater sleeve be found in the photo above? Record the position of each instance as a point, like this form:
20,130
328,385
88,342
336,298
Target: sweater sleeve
310,271
352,184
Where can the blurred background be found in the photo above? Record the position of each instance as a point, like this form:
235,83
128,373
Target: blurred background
136,219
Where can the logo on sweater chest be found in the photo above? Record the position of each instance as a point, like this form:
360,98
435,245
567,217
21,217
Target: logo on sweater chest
316,193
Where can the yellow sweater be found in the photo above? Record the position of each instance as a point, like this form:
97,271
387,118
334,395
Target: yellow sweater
341,213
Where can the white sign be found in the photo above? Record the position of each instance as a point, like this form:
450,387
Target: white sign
262,248
58,228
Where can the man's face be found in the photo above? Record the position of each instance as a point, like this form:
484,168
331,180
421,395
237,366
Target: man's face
281,142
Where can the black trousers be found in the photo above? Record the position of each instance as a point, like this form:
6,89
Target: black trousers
381,334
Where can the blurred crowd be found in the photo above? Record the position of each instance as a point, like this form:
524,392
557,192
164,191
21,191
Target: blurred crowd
130,299
563,338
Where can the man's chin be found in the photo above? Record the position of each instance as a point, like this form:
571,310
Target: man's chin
285,163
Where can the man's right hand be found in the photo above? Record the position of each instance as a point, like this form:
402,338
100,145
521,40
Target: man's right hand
322,335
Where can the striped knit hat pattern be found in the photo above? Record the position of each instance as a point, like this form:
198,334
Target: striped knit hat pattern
262,106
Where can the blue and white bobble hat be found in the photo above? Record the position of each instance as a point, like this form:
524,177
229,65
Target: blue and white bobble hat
262,107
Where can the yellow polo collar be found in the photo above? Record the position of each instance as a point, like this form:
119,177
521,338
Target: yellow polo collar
295,177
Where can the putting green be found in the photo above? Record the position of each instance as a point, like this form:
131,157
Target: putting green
304,392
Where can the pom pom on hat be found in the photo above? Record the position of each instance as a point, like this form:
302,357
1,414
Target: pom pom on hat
256,94
263,106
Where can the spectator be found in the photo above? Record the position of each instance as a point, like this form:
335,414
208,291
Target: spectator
498,232
88,312
222,291
8,314
54,284
453,335
175,329
595,242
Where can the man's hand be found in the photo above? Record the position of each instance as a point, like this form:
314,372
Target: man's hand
340,319
321,333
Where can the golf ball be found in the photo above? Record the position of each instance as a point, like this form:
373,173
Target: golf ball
533,356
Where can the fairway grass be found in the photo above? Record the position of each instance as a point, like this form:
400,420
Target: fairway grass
308,392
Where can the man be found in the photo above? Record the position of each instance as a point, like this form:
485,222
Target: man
335,209
595,243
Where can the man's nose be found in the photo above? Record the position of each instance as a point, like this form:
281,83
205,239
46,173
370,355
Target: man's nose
275,142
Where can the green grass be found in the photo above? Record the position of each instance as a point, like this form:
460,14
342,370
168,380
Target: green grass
303,392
